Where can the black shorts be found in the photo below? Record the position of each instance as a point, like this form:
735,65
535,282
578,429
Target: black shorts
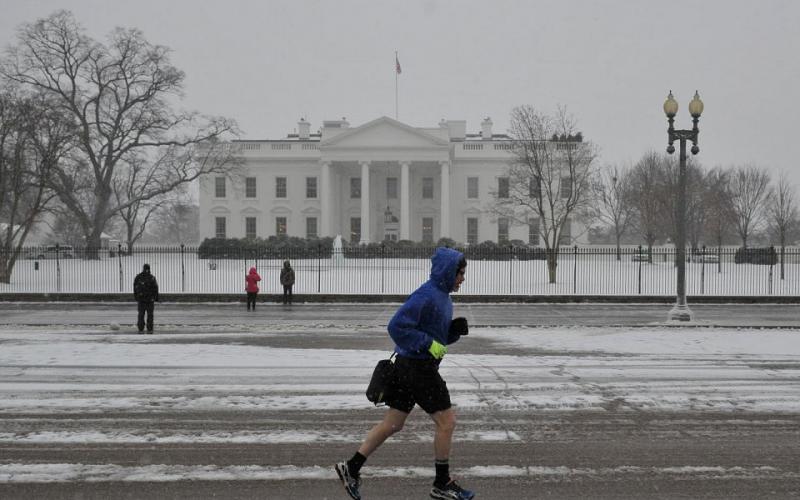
418,382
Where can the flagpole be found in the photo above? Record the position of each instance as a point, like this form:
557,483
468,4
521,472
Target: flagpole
396,76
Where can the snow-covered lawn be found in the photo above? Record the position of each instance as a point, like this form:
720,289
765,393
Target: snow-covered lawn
598,274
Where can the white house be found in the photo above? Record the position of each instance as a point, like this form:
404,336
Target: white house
381,180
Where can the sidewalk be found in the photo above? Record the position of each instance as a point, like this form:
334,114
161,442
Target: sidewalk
377,315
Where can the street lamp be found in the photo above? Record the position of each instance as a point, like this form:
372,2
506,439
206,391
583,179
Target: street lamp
681,311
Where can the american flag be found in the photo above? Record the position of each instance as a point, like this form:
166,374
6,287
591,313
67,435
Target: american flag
397,65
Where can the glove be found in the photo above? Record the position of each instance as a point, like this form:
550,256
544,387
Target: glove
437,350
459,327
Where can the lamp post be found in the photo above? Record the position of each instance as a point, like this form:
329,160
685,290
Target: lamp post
681,311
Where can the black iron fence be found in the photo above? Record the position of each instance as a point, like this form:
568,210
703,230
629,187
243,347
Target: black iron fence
381,269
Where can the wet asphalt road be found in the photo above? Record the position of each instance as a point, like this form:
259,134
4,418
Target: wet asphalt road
619,453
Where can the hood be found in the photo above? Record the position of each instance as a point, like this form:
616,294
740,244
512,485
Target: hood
444,264
253,270
286,264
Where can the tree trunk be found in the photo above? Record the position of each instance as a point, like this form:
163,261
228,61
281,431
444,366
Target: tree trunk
552,263
6,267
619,250
783,251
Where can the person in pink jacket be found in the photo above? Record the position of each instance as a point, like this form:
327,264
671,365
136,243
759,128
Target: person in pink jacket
251,280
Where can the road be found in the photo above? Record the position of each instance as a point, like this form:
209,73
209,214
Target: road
222,404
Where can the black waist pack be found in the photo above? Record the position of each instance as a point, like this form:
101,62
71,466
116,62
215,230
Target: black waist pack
382,381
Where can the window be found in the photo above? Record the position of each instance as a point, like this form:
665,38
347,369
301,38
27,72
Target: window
427,229
427,188
311,187
219,187
472,230
502,187
355,229
472,187
250,187
566,187
280,187
535,188
566,233
280,226
533,231
391,188
355,187
502,230
219,227
250,227
311,227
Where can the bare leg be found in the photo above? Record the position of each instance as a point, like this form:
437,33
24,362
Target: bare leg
445,425
392,422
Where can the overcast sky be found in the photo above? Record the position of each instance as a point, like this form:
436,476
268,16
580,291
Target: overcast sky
267,63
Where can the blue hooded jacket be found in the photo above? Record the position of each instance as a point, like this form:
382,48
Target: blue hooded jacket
426,314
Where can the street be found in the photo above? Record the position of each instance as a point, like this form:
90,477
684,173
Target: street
613,404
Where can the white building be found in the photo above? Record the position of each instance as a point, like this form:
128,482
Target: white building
381,180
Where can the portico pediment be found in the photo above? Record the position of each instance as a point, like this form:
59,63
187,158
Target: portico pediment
384,137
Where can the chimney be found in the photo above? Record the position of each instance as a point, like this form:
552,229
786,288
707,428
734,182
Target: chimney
303,129
486,129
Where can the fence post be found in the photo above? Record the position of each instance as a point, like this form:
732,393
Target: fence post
703,271
183,271
771,266
640,269
319,267
383,257
575,271
510,267
119,260
58,269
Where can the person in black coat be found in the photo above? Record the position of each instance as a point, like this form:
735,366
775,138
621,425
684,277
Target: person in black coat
145,290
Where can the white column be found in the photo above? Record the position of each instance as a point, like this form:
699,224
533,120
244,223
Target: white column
405,202
444,223
325,197
364,202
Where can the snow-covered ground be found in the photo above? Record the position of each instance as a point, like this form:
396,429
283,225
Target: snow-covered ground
595,274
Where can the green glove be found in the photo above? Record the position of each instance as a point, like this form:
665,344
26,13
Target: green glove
437,350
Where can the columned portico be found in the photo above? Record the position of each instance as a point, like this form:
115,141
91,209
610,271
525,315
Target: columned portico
405,211
445,196
325,196
364,202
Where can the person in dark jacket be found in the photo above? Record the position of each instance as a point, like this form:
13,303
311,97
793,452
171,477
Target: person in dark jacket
421,329
145,290
287,280
251,280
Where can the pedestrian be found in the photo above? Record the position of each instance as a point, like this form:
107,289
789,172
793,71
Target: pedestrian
421,329
145,290
287,280
251,280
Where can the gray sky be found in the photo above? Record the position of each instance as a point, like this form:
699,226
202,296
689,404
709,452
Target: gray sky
612,62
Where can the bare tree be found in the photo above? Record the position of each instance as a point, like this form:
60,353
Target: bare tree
749,189
118,93
548,177
646,192
178,222
33,138
667,197
783,213
611,201
719,209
